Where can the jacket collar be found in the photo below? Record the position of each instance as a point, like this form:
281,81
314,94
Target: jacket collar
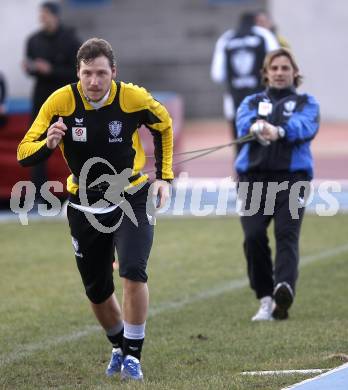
276,93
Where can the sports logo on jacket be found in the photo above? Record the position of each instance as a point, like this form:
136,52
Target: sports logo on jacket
289,108
264,108
78,121
115,128
79,134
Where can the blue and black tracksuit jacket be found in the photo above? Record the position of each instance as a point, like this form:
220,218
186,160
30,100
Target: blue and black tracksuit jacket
298,115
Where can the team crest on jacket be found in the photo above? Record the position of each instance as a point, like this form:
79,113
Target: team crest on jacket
115,128
289,107
242,63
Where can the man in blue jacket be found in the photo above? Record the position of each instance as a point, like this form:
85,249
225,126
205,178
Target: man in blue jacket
274,173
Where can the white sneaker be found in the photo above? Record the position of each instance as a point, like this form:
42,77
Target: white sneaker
265,311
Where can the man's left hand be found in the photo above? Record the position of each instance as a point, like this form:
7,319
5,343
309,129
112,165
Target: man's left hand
160,191
42,66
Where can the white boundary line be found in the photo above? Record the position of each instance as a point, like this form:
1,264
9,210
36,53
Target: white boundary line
339,368
286,372
29,349
324,254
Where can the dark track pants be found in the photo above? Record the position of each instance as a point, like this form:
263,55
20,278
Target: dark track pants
263,278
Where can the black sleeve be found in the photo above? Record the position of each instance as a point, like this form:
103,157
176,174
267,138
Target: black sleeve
3,91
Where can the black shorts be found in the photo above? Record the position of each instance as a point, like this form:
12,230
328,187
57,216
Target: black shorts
95,250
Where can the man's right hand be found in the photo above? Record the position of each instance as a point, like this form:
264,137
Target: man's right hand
257,130
55,133
270,132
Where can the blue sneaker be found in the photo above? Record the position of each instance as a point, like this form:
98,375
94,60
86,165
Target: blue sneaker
131,369
115,362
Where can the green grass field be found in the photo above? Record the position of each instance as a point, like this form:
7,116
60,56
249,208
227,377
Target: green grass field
199,333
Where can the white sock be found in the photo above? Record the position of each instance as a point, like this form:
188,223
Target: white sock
134,332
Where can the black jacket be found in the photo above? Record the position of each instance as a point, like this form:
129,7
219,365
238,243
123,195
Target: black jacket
2,89
3,116
59,49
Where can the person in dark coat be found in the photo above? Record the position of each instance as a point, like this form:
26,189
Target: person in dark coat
3,93
50,60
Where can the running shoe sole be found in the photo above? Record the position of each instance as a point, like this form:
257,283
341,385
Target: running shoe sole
283,299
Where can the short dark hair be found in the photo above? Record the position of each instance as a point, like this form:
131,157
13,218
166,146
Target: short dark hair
52,7
246,22
279,53
93,48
